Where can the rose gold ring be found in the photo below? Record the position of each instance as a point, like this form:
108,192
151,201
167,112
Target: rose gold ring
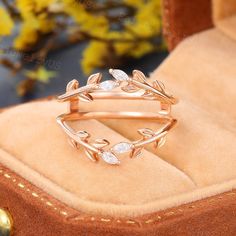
120,87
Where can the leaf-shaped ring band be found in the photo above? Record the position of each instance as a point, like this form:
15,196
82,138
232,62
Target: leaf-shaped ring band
136,87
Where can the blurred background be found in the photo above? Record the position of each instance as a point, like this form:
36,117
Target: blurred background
46,43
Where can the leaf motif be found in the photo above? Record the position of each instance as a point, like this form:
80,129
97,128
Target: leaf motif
92,156
136,152
94,78
100,143
130,89
73,143
139,76
85,97
147,133
73,84
148,95
159,86
161,142
83,134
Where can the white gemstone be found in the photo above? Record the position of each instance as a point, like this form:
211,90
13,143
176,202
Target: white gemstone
119,74
110,158
122,147
108,85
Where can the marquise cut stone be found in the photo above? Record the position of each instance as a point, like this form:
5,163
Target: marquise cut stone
122,147
119,74
108,85
110,158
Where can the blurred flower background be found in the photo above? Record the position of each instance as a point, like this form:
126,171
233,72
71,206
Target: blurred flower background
46,43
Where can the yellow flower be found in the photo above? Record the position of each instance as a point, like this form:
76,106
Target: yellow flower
93,56
134,3
28,34
42,74
33,23
46,24
125,41
141,49
122,48
42,4
29,7
25,7
96,25
147,21
6,23
119,35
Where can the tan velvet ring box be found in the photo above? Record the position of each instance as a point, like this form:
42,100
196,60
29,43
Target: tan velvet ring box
186,188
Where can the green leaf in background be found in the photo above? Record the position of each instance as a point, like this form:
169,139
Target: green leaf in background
41,74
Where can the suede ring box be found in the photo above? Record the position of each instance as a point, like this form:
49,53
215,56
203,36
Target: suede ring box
186,188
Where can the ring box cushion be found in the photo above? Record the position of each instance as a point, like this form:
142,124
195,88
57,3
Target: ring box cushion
32,136
197,161
224,17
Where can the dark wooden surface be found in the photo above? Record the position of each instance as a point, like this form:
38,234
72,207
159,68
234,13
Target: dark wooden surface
67,68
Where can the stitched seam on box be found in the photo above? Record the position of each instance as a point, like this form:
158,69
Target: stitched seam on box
63,213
